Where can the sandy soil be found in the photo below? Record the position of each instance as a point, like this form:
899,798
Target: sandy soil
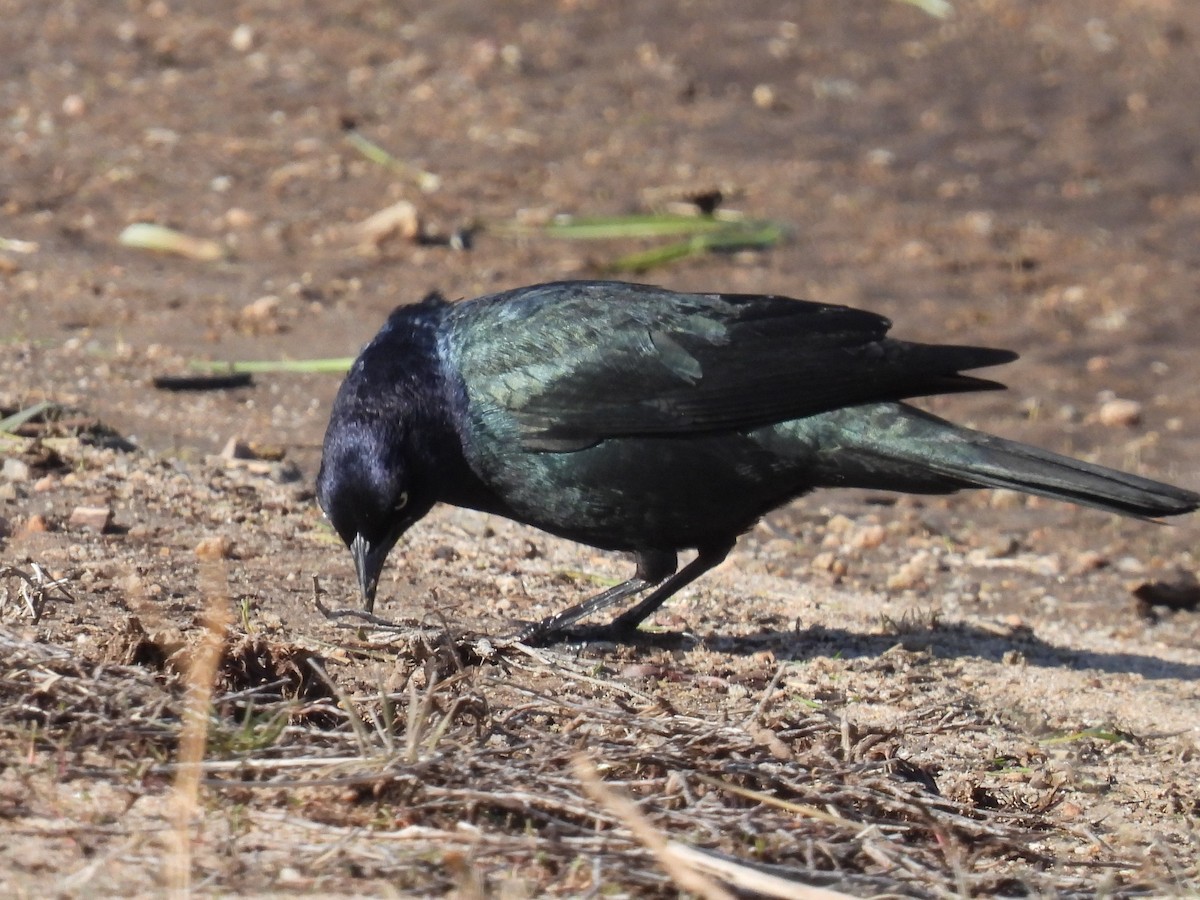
962,695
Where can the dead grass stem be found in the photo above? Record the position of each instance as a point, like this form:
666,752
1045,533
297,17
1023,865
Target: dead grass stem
193,735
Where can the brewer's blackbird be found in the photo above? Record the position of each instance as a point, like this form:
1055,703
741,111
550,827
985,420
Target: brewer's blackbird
634,418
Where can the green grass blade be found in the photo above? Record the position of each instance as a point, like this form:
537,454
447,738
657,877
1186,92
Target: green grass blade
334,365
644,260
608,228
19,418
939,9
617,227
426,181
1096,734
743,236
748,236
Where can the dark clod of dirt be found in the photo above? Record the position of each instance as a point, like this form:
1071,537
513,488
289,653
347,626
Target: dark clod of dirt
1180,595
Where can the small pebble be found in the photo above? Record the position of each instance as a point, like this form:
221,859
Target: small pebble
398,220
242,38
236,448
1003,498
238,218
1130,565
764,96
445,553
15,469
868,537
912,573
261,316
1088,561
838,524
73,106
290,877
35,525
217,546
823,562
1120,413
91,518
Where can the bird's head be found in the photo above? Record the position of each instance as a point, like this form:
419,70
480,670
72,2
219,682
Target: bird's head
370,498
379,462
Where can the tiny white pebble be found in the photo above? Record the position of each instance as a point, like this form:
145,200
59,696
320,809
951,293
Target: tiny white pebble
242,38
1117,413
289,875
1130,565
764,96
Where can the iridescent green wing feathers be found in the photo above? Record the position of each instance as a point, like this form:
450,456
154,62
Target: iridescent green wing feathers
576,364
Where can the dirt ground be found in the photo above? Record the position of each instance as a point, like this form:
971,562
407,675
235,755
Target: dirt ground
918,697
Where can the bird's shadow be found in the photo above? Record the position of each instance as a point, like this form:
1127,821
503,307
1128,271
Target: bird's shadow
942,640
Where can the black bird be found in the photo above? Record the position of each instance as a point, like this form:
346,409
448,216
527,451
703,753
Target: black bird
634,418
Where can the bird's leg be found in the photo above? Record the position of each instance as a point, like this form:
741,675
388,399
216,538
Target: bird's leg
706,558
652,567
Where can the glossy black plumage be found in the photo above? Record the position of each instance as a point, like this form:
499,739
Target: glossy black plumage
633,418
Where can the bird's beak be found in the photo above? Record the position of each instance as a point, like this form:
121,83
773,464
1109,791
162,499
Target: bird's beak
368,563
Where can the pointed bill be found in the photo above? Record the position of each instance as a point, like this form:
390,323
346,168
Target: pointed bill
367,565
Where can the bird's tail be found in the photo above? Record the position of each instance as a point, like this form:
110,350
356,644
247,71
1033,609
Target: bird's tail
894,446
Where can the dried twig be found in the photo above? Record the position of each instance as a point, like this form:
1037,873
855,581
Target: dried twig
749,878
35,588
194,732
685,876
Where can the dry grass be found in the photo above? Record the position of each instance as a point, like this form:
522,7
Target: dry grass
193,736
463,770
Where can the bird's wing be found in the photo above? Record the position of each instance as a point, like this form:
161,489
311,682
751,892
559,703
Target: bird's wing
575,363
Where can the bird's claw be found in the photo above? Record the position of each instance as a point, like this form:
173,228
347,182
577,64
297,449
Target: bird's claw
557,629
543,633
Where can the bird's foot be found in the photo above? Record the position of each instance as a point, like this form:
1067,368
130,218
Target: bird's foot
361,615
541,634
535,635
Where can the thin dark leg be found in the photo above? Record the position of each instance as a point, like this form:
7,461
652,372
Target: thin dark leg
623,626
706,558
652,567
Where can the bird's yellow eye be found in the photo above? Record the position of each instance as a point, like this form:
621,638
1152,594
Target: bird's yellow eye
402,500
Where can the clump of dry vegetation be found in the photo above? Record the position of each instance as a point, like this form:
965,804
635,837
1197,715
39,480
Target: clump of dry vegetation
457,772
